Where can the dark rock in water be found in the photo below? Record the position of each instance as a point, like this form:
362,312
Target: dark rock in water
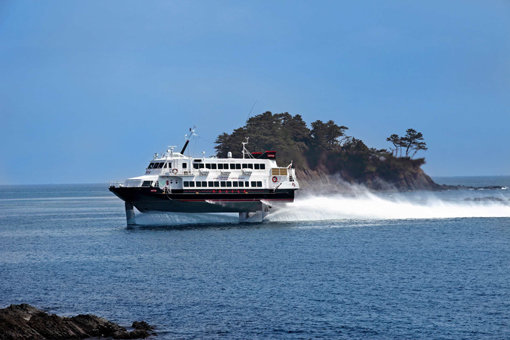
485,199
142,325
27,322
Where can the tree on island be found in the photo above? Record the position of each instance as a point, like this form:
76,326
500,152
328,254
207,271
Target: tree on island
412,141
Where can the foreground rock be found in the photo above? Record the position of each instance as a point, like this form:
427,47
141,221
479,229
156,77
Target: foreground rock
27,322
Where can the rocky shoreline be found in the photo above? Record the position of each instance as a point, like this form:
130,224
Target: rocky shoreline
27,322
320,181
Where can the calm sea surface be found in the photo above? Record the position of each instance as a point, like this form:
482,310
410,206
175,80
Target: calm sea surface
416,266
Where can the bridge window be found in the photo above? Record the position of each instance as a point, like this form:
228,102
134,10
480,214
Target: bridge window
146,183
201,165
184,165
195,165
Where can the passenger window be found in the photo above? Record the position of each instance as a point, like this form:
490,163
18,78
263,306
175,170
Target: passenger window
247,184
216,184
235,184
241,184
229,184
238,166
204,184
184,165
259,184
192,184
257,166
199,184
262,166
213,166
208,166
186,184
220,166
253,184
250,166
201,166
195,166
245,166
232,166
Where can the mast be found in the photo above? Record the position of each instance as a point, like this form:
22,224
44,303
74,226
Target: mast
185,146
188,137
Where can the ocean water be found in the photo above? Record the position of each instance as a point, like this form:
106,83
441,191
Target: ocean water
363,265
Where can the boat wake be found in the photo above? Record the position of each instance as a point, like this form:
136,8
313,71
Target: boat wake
370,206
184,219
358,203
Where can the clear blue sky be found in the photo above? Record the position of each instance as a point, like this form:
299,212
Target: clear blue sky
91,89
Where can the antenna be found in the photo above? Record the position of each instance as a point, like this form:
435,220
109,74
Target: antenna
245,151
251,110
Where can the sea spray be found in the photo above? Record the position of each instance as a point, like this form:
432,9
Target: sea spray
176,219
340,200
369,205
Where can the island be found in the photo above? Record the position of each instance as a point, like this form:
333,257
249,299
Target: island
327,158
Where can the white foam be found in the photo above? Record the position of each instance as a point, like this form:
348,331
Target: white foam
164,219
369,206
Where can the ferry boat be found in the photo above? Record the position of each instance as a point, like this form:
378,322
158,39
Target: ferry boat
173,182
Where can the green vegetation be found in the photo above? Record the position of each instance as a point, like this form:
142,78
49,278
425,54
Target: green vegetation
326,149
412,141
